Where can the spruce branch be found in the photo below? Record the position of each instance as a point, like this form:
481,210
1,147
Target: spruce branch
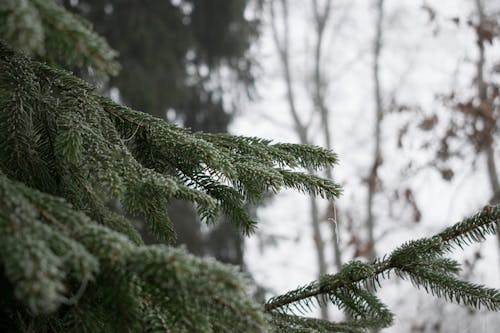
451,288
283,323
210,295
114,151
60,139
45,29
307,183
420,260
474,228
283,155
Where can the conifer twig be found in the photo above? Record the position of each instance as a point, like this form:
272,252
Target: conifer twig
484,221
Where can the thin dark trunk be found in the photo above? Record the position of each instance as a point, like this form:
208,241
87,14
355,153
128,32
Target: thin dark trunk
301,130
482,94
321,16
320,248
379,113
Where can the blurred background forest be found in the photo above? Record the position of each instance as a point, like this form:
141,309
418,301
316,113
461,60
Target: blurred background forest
406,92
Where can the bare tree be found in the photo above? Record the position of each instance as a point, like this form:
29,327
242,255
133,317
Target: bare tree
484,100
476,118
373,179
282,43
321,16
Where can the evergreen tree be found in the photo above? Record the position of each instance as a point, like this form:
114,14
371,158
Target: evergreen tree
69,263
174,55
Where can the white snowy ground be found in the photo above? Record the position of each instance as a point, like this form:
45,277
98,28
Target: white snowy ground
417,64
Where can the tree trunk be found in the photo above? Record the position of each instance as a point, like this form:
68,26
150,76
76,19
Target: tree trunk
379,113
301,130
321,16
482,94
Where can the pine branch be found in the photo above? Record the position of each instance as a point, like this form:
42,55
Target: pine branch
452,289
133,157
311,184
45,29
211,295
283,323
474,228
283,155
420,259
59,139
